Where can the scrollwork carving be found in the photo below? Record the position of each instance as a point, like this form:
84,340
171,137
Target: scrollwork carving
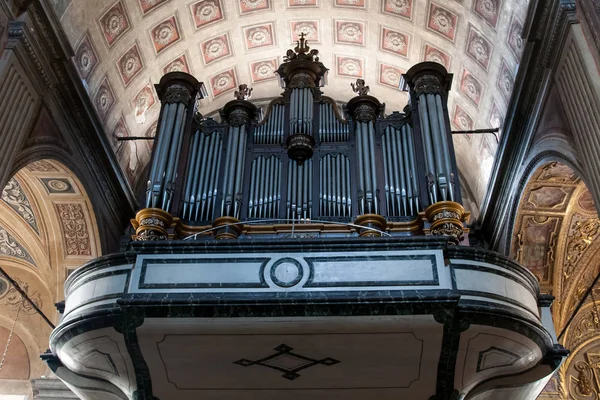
581,238
15,197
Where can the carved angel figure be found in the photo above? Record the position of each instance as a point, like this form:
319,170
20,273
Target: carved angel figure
243,92
361,89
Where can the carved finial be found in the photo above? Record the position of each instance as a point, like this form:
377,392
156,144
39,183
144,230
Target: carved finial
301,46
302,51
243,92
361,89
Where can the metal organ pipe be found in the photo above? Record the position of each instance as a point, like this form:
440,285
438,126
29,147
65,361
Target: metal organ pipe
334,186
445,147
175,150
232,186
330,128
400,168
365,135
301,111
264,187
429,151
299,203
271,132
157,171
200,188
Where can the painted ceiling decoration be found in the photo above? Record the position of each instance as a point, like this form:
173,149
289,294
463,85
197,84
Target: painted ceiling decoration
556,236
123,47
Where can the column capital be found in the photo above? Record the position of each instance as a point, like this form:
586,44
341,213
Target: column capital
427,77
179,87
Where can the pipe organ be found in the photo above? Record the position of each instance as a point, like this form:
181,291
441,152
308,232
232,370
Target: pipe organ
355,170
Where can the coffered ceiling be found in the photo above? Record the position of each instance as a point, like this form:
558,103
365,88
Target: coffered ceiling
123,47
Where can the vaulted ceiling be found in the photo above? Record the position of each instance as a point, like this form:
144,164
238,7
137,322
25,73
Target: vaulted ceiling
123,47
556,237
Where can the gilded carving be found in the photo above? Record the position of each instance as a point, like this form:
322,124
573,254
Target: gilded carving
583,233
15,197
75,229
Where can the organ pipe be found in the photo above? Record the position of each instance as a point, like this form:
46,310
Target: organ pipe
200,189
335,197
176,91
401,191
264,194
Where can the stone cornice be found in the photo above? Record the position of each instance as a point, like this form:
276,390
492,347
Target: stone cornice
545,32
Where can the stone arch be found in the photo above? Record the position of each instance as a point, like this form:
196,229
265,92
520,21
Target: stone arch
48,227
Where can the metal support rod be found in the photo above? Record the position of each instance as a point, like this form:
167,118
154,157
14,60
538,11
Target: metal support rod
26,297
491,130
123,138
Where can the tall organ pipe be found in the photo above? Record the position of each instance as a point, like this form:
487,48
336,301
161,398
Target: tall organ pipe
429,84
168,182
301,110
264,187
445,147
400,168
365,134
176,91
233,177
334,185
429,151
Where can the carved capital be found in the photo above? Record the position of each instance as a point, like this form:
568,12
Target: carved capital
427,78
238,112
446,219
152,224
178,87
365,108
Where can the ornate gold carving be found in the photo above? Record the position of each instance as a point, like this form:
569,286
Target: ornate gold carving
152,224
583,235
374,222
446,219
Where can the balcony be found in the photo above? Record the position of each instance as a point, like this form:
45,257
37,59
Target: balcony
381,318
